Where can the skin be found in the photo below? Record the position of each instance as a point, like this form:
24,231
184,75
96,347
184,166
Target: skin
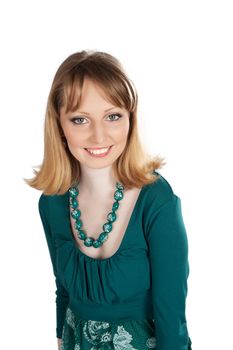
59,343
98,129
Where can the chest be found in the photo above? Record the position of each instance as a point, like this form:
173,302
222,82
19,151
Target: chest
94,215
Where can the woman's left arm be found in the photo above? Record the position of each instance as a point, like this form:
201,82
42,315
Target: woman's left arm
168,251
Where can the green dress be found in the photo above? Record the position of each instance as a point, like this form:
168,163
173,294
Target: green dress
133,300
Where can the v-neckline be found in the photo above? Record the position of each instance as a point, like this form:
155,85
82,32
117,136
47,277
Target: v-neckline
74,243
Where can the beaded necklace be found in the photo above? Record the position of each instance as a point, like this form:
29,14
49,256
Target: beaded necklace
107,227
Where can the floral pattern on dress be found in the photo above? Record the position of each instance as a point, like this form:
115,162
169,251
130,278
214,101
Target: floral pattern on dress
151,343
70,318
101,335
94,331
122,339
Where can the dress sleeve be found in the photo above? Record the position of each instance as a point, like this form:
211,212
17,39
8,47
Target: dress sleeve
62,298
168,253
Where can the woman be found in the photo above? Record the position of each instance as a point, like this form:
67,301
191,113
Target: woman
113,224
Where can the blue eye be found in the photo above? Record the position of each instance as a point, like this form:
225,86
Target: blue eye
116,114
73,120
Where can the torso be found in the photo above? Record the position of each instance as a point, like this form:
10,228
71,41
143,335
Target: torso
94,215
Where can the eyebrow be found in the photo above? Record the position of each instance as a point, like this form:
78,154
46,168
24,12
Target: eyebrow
106,110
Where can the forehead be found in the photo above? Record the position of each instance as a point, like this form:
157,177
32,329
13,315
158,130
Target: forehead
81,93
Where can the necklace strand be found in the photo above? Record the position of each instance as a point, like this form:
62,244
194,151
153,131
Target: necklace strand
107,227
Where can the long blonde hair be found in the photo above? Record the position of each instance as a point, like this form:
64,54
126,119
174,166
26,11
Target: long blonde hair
60,169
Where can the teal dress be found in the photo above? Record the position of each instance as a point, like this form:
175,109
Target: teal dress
133,300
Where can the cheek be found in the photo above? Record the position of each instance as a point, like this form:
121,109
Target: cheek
123,133
74,139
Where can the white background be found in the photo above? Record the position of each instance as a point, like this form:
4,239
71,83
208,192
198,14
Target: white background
179,56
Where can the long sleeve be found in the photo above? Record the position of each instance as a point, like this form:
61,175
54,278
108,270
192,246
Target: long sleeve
168,252
62,298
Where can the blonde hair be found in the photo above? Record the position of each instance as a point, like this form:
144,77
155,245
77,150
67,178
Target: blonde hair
60,169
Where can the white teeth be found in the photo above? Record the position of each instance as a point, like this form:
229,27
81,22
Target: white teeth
103,150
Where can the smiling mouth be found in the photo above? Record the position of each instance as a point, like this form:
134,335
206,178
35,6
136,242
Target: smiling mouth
99,152
97,148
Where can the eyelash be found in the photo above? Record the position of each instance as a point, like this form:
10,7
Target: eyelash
119,116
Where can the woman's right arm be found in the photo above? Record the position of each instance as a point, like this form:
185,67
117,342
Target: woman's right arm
62,297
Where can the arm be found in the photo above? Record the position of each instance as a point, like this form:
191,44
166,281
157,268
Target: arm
62,298
168,251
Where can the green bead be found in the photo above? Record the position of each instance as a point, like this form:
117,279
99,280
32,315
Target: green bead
118,195
103,237
107,227
74,203
88,241
119,186
78,224
115,206
97,243
112,217
73,191
82,235
76,214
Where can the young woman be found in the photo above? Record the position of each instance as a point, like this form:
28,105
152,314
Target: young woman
112,222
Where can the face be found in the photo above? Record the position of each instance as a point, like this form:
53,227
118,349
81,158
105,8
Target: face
96,124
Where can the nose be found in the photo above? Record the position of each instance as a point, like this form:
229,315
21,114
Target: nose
98,134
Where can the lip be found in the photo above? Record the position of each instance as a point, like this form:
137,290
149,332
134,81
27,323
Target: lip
99,155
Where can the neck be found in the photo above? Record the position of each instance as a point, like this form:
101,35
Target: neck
95,182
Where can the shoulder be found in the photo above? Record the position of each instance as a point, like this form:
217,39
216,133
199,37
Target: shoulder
162,206
42,202
160,191
52,203
43,205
